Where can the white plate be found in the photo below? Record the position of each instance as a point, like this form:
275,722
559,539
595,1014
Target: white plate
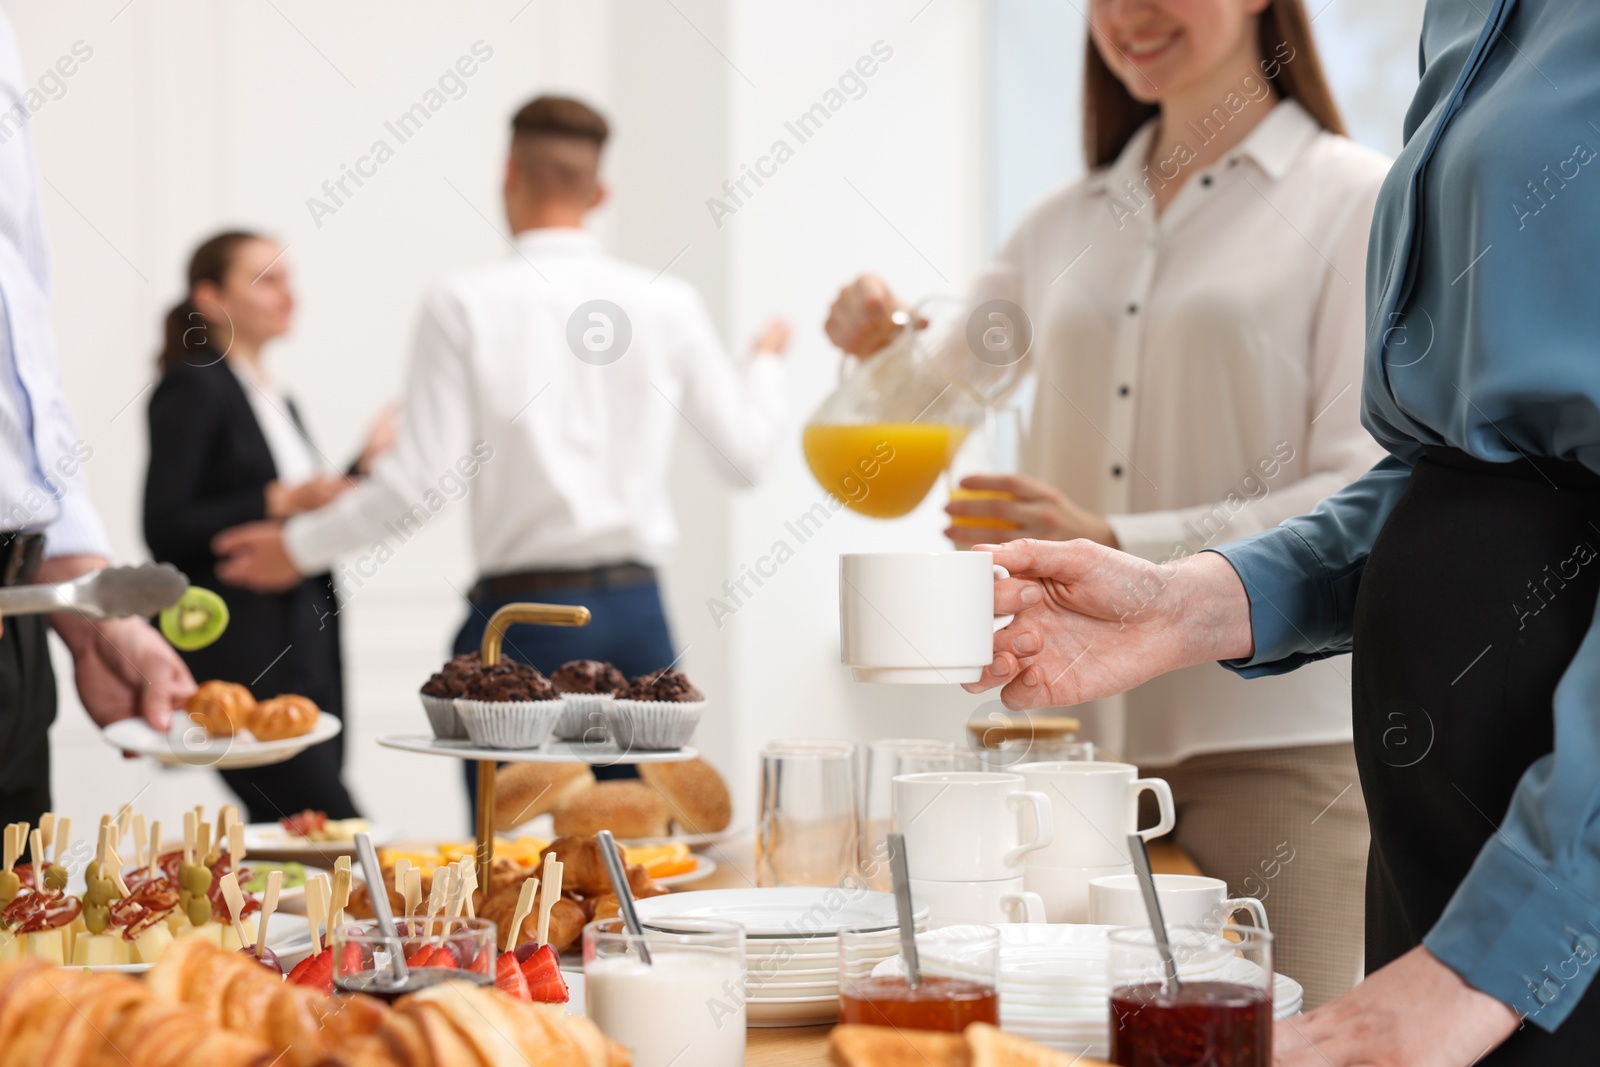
827,987
288,938
554,751
186,743
695,841
704,866
789,974
787,914
803,1011
272,838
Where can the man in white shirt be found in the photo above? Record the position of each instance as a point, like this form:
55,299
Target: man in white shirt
548,387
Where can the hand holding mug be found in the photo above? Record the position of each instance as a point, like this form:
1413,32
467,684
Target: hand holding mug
1093,622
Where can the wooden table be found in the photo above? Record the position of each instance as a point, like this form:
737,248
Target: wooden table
807,1046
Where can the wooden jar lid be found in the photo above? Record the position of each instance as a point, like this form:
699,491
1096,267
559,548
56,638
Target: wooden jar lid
1002,726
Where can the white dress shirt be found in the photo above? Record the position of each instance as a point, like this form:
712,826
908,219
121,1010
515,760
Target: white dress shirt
41,452
563,460
1198,379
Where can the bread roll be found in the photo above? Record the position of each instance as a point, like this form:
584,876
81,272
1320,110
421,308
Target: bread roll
888,1046
525,790
282,717
223,708
626,808
694,791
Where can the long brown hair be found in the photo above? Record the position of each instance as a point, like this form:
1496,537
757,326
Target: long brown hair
186,331
1111,116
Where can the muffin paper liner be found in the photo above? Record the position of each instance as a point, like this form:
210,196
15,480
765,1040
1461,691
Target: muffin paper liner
652,724
583,713
509,723
447,725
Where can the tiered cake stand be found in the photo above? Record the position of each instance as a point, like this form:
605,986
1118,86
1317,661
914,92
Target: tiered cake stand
488,760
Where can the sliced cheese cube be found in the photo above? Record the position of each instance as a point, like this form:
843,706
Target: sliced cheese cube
70,933
47,945
230,940
99,950
211,931
10,946
150,945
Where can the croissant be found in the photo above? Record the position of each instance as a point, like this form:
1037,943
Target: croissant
283,716
223,708
566,918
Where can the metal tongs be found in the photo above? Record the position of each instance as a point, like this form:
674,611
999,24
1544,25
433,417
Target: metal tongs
108,593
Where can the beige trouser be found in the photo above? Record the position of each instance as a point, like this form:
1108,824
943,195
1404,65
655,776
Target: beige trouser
1289,826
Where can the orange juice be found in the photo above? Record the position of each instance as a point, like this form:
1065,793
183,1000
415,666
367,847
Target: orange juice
881,469
959,493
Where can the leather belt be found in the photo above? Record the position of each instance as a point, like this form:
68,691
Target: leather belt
532,583
20,554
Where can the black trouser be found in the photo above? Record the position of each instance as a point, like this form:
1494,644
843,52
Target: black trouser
1453,681
27,708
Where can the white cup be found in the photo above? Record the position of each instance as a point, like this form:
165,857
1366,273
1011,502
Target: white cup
1095,807
954,903
1065,890
918,617
1186,900
968,825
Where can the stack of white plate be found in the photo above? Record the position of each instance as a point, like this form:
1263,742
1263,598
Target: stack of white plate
791,942
1053,985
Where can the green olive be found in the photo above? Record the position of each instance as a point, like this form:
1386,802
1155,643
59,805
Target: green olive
10,884
55,877
199,911
96,918
92,870
198,880
100,891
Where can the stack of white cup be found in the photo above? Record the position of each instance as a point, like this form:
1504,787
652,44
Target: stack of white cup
967,836
1094,807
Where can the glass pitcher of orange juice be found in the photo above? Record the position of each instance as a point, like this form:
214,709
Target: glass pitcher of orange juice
880,441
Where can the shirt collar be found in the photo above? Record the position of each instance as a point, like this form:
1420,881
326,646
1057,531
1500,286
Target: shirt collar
1274,145
557,239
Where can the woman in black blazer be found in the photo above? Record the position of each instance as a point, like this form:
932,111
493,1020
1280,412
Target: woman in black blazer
227,448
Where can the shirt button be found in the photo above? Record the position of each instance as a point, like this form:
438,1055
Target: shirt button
1205,180
1133,309
1116,471
1124,390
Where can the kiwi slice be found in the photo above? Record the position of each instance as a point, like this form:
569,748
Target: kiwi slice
196,620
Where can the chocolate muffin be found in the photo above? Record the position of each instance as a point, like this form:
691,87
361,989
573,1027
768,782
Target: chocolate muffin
508,680
665,685
451,679
588,676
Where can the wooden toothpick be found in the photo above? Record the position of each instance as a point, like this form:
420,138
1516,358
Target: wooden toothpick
520,916
269,904
553,871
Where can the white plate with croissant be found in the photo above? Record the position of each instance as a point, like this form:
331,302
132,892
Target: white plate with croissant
188,742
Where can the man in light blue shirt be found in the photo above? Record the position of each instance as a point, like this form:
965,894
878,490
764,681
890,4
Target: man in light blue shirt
49,531
1461,570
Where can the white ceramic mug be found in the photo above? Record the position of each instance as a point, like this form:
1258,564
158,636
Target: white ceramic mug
953,903
1186,900
918,617
1096,807
1065,890
968,825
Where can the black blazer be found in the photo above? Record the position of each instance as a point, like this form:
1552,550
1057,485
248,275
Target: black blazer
209,469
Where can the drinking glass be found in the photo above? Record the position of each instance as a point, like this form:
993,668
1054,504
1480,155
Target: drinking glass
1218,1013
809,832
880,763
960,968
362,955
929,759
685,1005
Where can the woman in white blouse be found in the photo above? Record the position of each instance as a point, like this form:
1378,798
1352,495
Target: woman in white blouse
227,446
1196,312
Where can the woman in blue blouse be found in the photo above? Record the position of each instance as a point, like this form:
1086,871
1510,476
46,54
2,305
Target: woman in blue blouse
1462,571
